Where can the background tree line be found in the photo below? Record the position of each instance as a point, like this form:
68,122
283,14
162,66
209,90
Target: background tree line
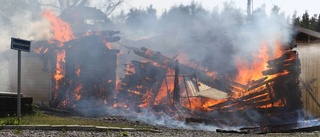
307,21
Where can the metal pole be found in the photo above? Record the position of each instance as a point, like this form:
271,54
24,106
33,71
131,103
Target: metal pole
19,86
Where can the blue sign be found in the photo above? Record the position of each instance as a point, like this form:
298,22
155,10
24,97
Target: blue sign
20,44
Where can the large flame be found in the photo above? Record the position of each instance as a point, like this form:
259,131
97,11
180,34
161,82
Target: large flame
248,71
61,32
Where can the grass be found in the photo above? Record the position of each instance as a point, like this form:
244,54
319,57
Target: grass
39,118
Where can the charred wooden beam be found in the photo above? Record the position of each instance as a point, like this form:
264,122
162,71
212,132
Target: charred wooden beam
176,90
227,103
256,83
144,79
286,56
107,33
220,83
253,94
252,102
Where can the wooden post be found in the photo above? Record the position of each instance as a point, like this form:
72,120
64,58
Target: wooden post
176,90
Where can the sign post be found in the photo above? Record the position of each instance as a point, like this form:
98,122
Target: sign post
20,45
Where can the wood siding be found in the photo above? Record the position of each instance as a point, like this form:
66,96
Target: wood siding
34,82
310,64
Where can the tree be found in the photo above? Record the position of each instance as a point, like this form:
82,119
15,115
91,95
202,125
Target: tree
179,18
305,22
317,27
142,19
135,17
295,19
313,22
107,6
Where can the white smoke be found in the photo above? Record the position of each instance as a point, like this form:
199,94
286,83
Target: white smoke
22,25
213,40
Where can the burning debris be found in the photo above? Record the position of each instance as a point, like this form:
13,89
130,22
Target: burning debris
275,95
84,74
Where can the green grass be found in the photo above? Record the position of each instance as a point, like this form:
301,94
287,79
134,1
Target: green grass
39,118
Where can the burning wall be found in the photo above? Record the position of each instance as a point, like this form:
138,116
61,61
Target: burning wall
89,74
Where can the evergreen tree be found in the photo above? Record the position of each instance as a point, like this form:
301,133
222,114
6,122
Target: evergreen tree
151,19
143,20
313,22
179,18
317,27
305,21
295,19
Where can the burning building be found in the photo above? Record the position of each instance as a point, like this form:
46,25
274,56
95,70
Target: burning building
259,92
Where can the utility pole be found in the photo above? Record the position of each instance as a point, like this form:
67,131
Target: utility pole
249,8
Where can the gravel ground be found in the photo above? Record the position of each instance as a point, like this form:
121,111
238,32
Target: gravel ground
163,131
167,133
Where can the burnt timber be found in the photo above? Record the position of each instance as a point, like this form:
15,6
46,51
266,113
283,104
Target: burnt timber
275,98
220,83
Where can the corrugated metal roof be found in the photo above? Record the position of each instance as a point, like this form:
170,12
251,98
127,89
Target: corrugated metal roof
308,31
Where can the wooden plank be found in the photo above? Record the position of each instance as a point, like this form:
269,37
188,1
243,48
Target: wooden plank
35,82
213,93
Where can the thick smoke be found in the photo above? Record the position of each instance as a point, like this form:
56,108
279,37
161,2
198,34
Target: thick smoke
213,40
19,20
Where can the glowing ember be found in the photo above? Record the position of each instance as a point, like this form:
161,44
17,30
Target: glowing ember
77,90
77,72
38,50
59,73
146,99
108,45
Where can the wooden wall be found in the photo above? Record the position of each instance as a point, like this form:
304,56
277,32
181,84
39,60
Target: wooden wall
34,82
309,54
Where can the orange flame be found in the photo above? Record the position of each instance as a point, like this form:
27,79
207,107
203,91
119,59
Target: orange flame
248,71
251,71
38,50
59,72
77,94
77,72
146,99
61,30
166,88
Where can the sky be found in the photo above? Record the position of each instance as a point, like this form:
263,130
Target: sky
286,6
